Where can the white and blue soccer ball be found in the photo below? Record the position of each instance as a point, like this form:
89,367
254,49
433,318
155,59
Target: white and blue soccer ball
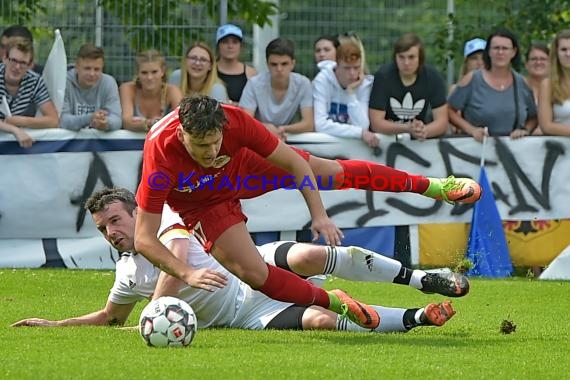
168,322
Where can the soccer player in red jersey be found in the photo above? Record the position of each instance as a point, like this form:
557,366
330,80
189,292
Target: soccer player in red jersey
196,158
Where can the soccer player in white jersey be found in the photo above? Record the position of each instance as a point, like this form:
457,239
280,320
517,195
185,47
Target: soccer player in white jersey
221,299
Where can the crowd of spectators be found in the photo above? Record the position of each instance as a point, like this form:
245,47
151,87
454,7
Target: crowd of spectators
406,97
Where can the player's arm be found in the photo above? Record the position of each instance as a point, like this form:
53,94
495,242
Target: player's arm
168,285
203,278
287,159
112,315
148,244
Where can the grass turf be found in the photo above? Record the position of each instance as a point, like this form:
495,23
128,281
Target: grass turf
470,346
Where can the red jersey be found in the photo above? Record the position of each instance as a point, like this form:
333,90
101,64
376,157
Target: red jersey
170,174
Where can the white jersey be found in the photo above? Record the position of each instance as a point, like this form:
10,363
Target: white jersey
235,305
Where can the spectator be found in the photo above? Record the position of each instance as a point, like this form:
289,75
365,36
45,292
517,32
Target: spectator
148,98
22,93
325,48
18,31
198,74
537,66
554,94
91,97
275,97
325,51
473,58
405,90
233,72
341,94
473,53
351,36
495,100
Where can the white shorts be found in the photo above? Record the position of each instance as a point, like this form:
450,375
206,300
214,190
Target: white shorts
256,310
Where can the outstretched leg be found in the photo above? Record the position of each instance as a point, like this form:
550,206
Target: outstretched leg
393,319
367,175
359,264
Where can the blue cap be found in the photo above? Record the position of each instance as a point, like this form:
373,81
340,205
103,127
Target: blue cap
228,30
473,46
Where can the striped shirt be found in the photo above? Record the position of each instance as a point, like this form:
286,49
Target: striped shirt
32,93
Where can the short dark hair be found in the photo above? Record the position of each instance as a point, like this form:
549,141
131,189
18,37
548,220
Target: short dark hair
101,199
506,33
280,46
18,31
200,115
90,51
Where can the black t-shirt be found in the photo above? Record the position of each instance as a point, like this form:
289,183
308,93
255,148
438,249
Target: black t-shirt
404,103
235,84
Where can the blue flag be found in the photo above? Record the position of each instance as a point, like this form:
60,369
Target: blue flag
487,247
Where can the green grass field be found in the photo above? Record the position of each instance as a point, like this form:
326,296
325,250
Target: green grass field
470,346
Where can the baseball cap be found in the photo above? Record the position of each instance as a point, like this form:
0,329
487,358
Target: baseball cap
473,46
228,30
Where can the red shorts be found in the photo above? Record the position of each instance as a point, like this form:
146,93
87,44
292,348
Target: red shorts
210,221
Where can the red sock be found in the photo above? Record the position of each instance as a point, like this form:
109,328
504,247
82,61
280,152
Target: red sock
366,175
285,286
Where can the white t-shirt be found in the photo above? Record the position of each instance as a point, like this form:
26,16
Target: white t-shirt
258,96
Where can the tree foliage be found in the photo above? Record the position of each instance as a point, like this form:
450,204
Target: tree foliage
153,12
22,11
144,19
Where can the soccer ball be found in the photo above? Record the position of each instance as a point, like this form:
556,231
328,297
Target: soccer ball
168,322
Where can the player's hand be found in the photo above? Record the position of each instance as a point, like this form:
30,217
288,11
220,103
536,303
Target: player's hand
206,279
328,230
35,322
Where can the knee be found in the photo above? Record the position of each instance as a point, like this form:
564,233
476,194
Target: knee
308,259
325,167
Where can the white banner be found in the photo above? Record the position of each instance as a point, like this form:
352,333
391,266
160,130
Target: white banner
43,189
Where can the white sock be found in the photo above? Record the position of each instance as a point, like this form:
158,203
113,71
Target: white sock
359,264
391,320
416,279
418,315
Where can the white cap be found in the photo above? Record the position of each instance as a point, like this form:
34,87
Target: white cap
228,30
473,46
